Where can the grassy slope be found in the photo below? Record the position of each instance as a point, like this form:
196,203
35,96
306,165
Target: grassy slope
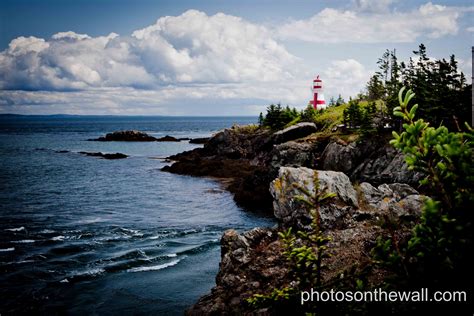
330,117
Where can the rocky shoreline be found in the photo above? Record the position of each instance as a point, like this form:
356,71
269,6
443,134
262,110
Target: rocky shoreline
251,158
368,176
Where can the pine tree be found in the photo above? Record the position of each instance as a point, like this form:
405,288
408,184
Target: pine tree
260,119
375,88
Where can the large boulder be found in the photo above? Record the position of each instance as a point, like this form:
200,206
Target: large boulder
294,132
292,154
238,142
291,182
305,152
397,200
338,157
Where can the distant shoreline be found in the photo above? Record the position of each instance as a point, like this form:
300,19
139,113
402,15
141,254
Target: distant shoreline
119,115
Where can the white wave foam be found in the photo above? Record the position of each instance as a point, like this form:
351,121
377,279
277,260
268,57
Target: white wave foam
64,281
155,268
18,229
91,220
7,249
133,232
90,272
46,231
24,241
172,255
58,238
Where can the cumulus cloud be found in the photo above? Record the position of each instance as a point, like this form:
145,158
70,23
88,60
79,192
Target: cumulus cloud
192,48
347,77
373,5
214,63
380,26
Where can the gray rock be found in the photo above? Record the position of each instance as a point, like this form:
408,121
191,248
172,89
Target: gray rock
292,212
231,240
234,143
292,154
368,160
339,183
402,190
294,132
412,205
338,157
395,199
255,235
370,194
383,165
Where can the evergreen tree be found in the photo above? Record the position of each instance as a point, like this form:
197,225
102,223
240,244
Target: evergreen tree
352,115
308,114
340,100
375,88
277,117
436,84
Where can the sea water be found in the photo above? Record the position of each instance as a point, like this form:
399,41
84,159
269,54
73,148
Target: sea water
84,235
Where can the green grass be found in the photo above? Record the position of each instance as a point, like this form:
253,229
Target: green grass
330,117
333,116
378,103
246,129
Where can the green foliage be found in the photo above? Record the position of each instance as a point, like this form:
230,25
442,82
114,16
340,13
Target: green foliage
309,114
305,250
444,157
277,295
362,117
353,114
340,101
438,250
260,119
437,84
375,88
278,117
246,129
329,118
367,119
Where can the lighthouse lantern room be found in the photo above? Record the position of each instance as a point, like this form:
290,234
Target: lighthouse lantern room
318,96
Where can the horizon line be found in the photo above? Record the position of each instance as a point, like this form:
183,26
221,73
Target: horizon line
125,115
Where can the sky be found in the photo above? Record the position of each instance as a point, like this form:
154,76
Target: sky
209,57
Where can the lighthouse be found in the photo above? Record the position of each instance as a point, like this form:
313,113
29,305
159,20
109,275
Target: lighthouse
318,96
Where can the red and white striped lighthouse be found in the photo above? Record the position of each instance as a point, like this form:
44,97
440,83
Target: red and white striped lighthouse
318,96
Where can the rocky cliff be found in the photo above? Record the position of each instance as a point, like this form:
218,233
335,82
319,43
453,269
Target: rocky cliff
370,182
254,262
250,158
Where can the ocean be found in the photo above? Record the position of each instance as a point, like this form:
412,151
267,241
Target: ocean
84,235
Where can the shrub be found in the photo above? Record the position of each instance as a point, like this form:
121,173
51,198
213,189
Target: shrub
438,251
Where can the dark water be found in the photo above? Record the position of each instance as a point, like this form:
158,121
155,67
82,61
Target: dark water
84,235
